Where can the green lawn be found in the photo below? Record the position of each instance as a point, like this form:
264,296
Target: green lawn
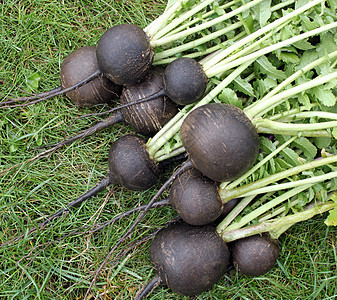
35,37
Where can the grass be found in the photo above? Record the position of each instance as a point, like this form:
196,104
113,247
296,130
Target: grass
35,37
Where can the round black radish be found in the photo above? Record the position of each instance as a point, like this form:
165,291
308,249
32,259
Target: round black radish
130,164
195,198
189,259
185,81
147,118
255,255
77,66
220,140
124,54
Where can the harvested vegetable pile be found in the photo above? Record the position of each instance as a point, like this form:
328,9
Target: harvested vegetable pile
256,138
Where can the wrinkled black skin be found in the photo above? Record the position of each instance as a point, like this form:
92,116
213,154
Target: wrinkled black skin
124,54
189,259
196,198
77,66
255,255
130,165
220,140
147,118
185,81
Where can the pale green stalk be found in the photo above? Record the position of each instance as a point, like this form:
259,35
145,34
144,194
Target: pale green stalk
221,55
292,184
162,20
219,68
235,211
293,115
198,28
278,211
278,226
160,57
224,225
296,132
173,152
268,126
209,51
238,56
227,194
269,103
295,76
197,42
201,18
177,21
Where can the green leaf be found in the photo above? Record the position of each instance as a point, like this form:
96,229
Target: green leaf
290,156
308,24
244,87
33,81
303,45
262,12
267,145
289,57
229,96
326,97
332,217
334,132
306,146
327,44
322,142
331,220
304,100
268,69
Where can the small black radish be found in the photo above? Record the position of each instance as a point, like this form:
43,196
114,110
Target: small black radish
124,54
255,255
195,198
220,140
75,68
189,259
185,81
146,118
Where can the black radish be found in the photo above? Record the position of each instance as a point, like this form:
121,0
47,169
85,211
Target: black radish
185,81
220,140
189,259
255,255
75,68
195,198
124,54
146,118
